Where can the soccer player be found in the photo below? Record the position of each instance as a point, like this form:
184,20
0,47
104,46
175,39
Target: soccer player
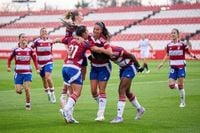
72,69
23,71
100,68
175,52
72,20
43,46
144,46
129,67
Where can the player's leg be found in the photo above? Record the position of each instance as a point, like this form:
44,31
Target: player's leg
102,100
103,77
94,83
94,91
73,78
44,82
130,73
124,84
48,76
172,79
64,94
181,78
133,99
27,81
18,79
181,91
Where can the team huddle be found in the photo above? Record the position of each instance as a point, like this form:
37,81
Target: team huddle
77,41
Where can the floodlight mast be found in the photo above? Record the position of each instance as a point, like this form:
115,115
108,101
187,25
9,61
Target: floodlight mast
25,1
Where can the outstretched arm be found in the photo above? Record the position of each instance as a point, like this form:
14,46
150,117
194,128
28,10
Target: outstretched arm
107,51
191,54
9,61
163,61
133,58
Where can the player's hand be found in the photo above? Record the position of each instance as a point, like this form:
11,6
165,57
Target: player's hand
90,57
9,69
159,66
38,71
140,69
195,57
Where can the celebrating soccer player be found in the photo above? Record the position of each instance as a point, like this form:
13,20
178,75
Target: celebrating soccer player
23,71
175,52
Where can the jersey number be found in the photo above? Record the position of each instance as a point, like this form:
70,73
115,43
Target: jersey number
72,51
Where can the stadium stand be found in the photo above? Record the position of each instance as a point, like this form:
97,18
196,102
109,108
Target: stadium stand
124,23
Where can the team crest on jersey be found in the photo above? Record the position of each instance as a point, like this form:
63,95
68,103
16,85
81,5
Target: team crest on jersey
178,47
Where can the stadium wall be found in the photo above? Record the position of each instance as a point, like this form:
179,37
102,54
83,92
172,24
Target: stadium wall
60,54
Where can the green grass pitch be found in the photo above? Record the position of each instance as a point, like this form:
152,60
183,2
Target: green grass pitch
163,114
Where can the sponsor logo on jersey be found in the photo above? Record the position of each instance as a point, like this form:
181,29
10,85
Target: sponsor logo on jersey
175,52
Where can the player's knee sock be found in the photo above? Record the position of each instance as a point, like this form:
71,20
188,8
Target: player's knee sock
70,103
102,104
63,100
120,106
182,93
136,103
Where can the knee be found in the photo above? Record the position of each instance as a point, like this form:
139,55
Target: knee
48,78
94,93
130,96
180,86
172,86
19,91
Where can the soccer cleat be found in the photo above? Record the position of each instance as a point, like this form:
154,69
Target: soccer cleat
117,120
67,118
139,113
72,120
100,118
182,105
148,71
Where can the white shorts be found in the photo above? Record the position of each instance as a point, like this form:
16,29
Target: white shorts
144,54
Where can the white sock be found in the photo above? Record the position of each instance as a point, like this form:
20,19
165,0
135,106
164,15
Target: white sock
63,100
182,95
71,111
69,105
28,104
102,106
120,108
136,103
